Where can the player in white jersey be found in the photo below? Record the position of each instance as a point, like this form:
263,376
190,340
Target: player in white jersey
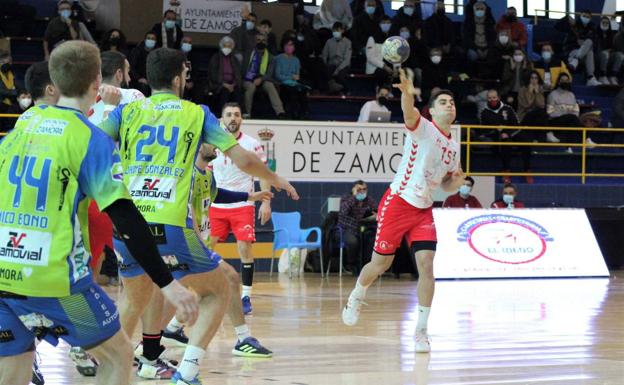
238,217
430,160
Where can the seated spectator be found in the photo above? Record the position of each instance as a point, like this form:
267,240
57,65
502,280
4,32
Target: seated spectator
244,36
24,101
607,55
497,113
39,84
435,72
330,12
258,69
439,30
359,7
308,50
550,66
379,104
224,76
271,41
508,199
479,33
375,64
192,89
168,33
618,50
114,40
515,72
409,15
579,43
500,53
138,61
531,102
8,89
355,208
336,56
287,67
509,22
463,199
365,26
63,28
419,53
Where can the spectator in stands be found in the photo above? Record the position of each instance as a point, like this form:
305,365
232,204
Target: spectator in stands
224,76
63,28
618,50
287,67
258,69
509,22
409,15
497,113
607,55
192,88
39,84
8,88
439,30
479,33
24,101
579,43
531,102
509,199
359,7
271,41
330,12
337,59
114,40
379,104
550,66
364,26
498,55
138,61
244,36
168,33
308,50
435,72
515,73
355,207
374,58
463,199
419,53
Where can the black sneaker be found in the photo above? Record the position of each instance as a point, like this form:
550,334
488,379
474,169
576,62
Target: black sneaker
177,336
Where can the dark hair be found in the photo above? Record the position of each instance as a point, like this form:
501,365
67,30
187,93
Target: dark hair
267,22
469,179
358,182
561,74
231,105
385,87
63,2
111,62
163,65
287,40
507,185
385,18
527,81
37,79
22,91
337,25
169,11
105,42
150,32
254,15
434,96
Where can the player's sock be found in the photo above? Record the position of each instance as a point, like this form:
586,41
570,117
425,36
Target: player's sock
359,291
423,317
247,278
151,346
174,325
189,368
242,332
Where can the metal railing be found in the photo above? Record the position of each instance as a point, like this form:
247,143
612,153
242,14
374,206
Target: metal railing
583,146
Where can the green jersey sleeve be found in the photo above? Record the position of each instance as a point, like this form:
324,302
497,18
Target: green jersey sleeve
212,132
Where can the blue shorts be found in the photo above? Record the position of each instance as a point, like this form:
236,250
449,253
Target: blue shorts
181,249
84,319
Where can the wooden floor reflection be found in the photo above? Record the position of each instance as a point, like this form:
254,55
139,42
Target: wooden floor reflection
550,331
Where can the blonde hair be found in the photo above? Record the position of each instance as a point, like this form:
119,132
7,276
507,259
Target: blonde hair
74,66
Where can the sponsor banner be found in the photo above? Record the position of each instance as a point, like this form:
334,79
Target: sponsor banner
330,151
24,247
153,188
516,243
207,16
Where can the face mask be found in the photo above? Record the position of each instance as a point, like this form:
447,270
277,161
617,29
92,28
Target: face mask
250,25
114,40
385,27
604,27
337,34
511,18
480,13
360,196
370,10
508,198
149,43
169,24
25,102
65,14
585,20
436,59
226,51
289,49
565,86
382,100
503,39
494,104
405,34
302,38
6,67
518,58
546,55
186,47
409,11
464,190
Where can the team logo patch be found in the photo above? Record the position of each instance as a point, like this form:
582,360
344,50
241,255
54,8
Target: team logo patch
153,188
25,247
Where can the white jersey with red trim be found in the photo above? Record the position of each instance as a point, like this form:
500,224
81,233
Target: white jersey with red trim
230,177
428,156
96,112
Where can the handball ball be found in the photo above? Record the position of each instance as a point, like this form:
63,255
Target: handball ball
395,49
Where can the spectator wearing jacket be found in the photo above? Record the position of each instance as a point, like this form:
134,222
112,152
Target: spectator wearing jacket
374,58
409,15
579,43
463,198
508,199
606,53
336,56
550,66
224,76
479,33
439,30
517,31
364,26
168,33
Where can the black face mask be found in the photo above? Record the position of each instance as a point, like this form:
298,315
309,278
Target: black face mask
6,67
382,100
565,86
114,40
261,46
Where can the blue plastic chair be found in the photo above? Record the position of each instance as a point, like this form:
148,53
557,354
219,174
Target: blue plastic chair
287,234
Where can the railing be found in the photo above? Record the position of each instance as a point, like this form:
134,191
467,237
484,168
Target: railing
583,145
536,16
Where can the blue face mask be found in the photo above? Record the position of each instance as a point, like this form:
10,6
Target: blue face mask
508,198
370,10
385,27
250,25
337,34
65,14
409,11
480,13
585,20
405,34
169,24
149,43
186,47
464,190
360,196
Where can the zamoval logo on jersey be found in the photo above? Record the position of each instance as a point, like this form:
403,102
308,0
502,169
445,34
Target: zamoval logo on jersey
25,247
153,188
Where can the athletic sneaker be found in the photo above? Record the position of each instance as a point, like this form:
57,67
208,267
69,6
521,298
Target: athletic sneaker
155,370
178,380
37,376
246,305
422,341
85,364
138,356
250,347
177,337
351,311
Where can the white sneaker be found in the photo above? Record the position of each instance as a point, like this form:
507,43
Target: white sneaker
351,311
604,80
422,341
593,82
614,81
590,143
551,138
573,62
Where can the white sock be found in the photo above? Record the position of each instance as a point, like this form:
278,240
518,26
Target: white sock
423,317
359,291
242,332
174,325
246,292
189,368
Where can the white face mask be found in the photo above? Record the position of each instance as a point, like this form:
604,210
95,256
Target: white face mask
604,27
436,59
504,39
518,58
25,103
226,51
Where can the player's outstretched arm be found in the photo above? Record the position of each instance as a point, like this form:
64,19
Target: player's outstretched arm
411,115
134,231
452,182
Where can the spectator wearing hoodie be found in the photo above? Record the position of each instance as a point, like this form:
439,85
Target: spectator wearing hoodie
409,15
517,31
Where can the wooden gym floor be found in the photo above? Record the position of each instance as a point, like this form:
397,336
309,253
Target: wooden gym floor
537,332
